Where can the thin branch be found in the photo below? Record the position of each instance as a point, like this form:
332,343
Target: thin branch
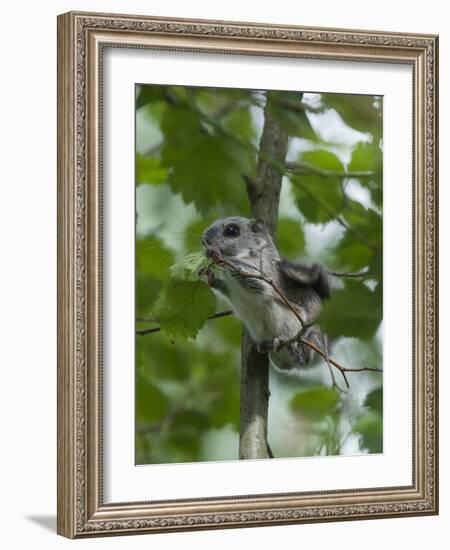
340,368
333,378
370,369
358,275
298,337
306,168
142,331
218,259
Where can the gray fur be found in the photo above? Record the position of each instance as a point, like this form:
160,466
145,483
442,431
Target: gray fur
255,302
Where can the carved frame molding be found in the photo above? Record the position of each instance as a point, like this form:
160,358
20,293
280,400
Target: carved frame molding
81,38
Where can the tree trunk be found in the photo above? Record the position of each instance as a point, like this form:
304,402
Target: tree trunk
264,195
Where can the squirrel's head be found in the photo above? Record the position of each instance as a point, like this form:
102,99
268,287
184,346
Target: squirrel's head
236,236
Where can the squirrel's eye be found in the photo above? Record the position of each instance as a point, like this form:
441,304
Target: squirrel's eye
231,230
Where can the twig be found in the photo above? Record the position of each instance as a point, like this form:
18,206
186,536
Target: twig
297,337
142,331
357,275
333,378
340,368
306,168
371,369
219,260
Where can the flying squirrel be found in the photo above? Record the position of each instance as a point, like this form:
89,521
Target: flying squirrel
246,247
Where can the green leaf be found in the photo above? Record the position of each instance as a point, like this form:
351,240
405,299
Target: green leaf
366,156
187,268
151,403
239,123
352,311
374,400
230,330
147,94
323,159
216,101
376,191
206,168
162,361
153,258
190,420
290,237
361,112
149,170
319,199
316,403
147,289
355,213
193,232
184,443
361,245
183,307
223,374
352,254
285,108
370,428
370,226
225,409
152,94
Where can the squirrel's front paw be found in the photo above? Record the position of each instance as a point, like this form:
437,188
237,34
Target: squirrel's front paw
207,275
279,342
211,278
214,282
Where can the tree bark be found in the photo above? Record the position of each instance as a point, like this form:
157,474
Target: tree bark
264,196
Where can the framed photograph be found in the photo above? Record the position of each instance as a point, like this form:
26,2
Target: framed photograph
247,282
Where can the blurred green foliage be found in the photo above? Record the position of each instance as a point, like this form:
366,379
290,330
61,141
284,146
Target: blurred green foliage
194,145
316,403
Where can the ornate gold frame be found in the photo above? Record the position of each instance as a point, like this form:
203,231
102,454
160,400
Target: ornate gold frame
81,37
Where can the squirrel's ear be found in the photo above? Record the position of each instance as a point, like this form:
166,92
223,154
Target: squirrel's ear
258,225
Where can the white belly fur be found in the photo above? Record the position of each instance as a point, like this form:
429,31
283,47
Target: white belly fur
264,315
